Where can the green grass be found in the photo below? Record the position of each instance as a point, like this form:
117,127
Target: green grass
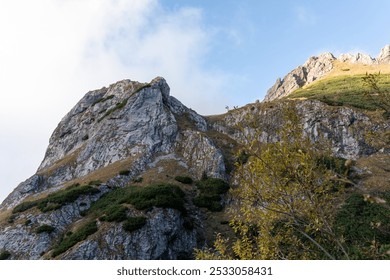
57,199
45,228
134,223
71,240
344,90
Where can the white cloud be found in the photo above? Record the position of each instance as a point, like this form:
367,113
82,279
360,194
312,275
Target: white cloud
52,52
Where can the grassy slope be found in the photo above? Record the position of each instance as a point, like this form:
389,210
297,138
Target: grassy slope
344,86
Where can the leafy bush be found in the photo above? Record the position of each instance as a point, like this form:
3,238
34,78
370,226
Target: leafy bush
162,195
95,183
45,228
134,223
60,198
73,239
4,255
184,179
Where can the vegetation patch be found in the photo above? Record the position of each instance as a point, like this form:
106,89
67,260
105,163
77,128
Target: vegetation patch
45,228
365,226
161,195
71,240
57,199
114,213
142,87
184,179
344,90
210,191
124,172
5,255
102,99
117,107
133,223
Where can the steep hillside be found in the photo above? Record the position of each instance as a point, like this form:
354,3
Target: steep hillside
131,173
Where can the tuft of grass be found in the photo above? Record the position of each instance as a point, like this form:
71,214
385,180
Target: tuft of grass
45,228
102,99
142,87
117,107
24,206
134,223
114,213
344,90
184,179
78,236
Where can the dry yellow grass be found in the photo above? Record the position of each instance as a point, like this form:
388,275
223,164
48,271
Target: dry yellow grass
377,172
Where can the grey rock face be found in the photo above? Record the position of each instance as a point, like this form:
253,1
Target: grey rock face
313,69
384,55
357,58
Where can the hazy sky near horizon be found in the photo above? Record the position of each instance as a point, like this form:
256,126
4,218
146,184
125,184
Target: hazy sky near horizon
213,54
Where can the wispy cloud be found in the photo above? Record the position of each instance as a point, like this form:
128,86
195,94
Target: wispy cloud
52,52
305,15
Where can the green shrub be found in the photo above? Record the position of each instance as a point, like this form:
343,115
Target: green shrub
73,239
57,199
60,198
45,228
24,206
211,202
360,222
184,179
115,213
124,172
134,223
213,186
142,87
162,195
211,190
4,255
102,99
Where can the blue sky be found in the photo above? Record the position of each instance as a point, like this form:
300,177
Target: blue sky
213,54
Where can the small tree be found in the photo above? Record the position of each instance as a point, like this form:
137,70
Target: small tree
285,203
380,97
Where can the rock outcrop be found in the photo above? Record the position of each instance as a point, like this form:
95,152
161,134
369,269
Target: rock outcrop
117,136
318,67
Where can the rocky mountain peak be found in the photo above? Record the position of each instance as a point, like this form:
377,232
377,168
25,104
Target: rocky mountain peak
317,67
384,55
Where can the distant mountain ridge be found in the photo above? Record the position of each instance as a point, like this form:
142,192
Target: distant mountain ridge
317,67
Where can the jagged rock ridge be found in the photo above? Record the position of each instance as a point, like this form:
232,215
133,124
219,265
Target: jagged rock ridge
317,67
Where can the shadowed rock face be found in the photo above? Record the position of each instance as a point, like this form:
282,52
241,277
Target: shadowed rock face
139,127
318,67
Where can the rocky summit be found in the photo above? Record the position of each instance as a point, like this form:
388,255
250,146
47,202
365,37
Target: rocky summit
317,67
127,170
